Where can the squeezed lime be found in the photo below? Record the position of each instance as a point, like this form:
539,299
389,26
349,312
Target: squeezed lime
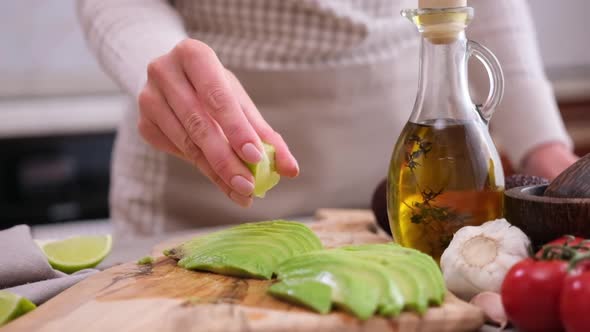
265,172
13,306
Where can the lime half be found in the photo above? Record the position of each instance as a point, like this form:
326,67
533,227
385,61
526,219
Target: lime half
13,306
77,253
265,172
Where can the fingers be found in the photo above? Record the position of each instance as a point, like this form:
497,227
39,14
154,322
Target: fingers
154,136
207,75
286,163
192,109
241,200
170,136
198,127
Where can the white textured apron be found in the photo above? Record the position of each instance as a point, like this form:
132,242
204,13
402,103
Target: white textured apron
340,116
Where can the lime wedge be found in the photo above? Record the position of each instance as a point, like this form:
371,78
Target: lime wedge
13,306
77,253
265,172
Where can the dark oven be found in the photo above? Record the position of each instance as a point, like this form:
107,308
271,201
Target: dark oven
55,178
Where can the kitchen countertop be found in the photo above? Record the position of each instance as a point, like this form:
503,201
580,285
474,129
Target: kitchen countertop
64,115
20,116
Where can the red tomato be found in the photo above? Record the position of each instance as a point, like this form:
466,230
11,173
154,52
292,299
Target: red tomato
531,293
575,302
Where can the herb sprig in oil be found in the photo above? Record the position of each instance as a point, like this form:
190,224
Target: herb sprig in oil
426,211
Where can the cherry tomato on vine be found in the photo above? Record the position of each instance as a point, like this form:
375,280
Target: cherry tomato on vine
577,243
575,302
531,294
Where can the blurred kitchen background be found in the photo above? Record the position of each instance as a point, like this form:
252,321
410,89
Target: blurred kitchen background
59,112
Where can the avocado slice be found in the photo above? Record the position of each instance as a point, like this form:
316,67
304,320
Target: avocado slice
357,292
297,230
251,250
414,293
391,299
358,286
364,279
304,292
422,267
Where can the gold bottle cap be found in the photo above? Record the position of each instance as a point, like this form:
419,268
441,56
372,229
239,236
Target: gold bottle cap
441,3
441,21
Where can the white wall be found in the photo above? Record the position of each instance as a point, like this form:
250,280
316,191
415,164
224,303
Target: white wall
563,28
42,51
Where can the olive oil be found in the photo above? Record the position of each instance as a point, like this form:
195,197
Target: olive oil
444,174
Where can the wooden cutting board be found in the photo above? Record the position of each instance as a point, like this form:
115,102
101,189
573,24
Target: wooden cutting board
164,297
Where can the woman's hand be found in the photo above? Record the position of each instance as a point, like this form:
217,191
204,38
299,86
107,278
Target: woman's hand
548,160
195,109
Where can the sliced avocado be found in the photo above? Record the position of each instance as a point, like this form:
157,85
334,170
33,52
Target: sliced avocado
414,294
222,259
305,292
248,250
438,283
425,277
265,228
265,172
358,286
412,278
364,279
299,233
423,267
352,293
221,247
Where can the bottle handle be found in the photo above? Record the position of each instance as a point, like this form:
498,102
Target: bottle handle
495,75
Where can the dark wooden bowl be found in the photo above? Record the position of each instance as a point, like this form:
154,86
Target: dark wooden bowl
545,218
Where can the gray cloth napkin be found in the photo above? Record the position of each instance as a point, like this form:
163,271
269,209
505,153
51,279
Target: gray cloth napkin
24,269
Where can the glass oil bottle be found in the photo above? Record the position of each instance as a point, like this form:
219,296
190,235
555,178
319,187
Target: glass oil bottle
445,172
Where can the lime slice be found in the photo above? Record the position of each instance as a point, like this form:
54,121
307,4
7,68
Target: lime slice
265,172
13,306
77,253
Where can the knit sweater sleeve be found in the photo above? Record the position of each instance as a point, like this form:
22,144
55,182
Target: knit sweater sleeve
125,35
528,115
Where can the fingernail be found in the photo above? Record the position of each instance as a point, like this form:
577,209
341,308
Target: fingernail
296,166
241,200
241,185
251,153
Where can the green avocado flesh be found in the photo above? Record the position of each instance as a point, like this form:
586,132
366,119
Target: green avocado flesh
363,280
265,172
252,250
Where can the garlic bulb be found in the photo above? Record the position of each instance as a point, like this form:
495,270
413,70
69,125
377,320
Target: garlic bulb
478,257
